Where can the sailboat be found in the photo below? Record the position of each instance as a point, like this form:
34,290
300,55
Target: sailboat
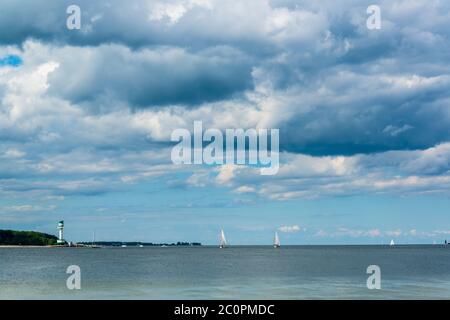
392,243
222,240
276,242
93,245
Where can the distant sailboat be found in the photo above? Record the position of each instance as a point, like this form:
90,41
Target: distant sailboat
392,243
222,240
276,243
93,245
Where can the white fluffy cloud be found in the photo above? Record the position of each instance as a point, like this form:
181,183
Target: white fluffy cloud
289,229
377,233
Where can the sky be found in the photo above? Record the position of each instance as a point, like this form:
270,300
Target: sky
86,117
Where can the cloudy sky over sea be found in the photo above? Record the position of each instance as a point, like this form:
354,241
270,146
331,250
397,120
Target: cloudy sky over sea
364,118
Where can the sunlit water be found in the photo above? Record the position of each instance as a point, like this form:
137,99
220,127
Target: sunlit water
291,272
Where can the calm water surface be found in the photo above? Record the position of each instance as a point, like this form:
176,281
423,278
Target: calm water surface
292,272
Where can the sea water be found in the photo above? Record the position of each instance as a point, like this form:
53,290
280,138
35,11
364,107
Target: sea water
253,272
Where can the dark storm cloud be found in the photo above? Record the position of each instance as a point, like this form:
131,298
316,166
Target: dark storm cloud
371,116
46,20
135,23
146,77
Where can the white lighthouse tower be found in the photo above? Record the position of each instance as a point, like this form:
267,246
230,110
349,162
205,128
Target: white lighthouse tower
61,233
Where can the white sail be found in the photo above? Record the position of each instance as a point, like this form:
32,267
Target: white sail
392,242
276,242
222,239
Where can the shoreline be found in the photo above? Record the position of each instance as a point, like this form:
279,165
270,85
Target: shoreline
46,247
25,246
235,246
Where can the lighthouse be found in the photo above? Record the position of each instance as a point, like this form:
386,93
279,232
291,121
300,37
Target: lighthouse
61,233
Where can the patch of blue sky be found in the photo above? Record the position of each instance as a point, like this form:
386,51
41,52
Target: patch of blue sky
11,60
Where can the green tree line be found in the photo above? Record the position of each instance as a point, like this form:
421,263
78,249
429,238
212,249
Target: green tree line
26,238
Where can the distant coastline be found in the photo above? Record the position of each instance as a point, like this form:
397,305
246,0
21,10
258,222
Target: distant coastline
137,244
96,245
24,246
34,239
